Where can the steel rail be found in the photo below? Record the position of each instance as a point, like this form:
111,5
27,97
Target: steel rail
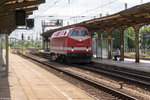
121,73
140,80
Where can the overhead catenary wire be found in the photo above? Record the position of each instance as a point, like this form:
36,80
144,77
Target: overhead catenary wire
98,7
71,2
48,8
110,2
124,7
107,12
82,14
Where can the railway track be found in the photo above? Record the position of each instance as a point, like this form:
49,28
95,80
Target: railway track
131,77
105,91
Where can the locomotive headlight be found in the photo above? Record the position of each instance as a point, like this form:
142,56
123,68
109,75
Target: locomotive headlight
87,49
72,49
80,39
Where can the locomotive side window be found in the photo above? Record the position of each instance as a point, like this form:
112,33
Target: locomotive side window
58,34
62,33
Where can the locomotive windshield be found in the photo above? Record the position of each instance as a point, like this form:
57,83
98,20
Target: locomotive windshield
78,33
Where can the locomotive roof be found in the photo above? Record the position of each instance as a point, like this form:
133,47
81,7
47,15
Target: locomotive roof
78,28
130,17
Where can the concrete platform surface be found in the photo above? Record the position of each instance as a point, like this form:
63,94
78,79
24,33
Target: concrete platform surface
143,65
28,81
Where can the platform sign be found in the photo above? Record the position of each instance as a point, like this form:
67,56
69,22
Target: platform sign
30,23
147,35
55,23
20,17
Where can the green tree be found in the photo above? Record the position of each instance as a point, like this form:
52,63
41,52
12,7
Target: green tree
104,34
38,44
145,42
116,36
130,33
11,44
28,44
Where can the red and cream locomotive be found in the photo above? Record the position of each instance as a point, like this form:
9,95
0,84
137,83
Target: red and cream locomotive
71,45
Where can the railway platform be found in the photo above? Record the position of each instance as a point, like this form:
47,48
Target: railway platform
144,65
28,81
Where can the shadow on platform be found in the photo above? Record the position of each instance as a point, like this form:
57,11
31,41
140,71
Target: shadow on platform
4,89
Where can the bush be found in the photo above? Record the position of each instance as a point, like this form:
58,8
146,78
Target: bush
148,53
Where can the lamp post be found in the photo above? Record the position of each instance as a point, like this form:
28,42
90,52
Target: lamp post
22,37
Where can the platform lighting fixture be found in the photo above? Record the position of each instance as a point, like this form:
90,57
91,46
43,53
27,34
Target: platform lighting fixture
68,1
126,6
100,15
107,14
22,36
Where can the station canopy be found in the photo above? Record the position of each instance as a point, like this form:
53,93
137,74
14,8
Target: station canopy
130,17
8,12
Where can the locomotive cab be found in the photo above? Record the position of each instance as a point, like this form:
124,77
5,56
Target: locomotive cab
78,33
80,42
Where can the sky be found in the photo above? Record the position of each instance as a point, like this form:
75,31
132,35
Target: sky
74,11
83,7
